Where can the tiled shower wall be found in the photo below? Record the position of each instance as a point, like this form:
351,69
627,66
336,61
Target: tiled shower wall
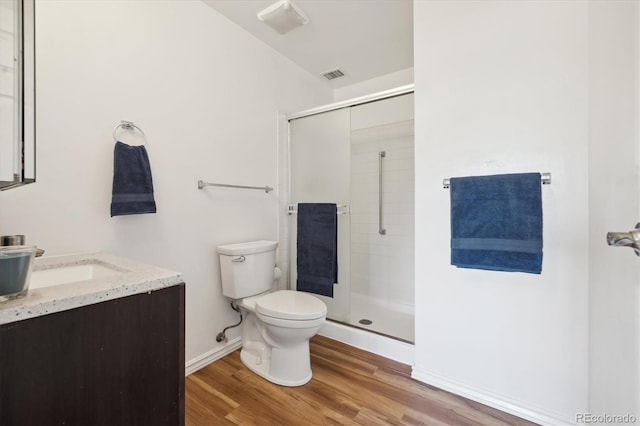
382,266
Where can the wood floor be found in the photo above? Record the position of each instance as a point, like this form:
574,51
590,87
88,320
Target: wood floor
349,387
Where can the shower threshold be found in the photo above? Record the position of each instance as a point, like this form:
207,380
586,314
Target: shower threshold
370,330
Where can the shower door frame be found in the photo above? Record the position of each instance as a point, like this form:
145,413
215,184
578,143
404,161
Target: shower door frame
386,94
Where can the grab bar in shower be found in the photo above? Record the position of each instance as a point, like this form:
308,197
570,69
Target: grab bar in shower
381,155
342,209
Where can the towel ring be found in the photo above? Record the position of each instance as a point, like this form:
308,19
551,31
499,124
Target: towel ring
128,125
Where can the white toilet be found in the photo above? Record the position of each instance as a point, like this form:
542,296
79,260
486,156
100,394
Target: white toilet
278,325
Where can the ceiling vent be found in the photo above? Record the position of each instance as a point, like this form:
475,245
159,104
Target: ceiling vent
283,16
333,74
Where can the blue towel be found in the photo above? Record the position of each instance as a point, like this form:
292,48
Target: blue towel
496,222
132,184
317,248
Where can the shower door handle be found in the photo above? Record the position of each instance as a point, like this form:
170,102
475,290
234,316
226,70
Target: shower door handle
381,155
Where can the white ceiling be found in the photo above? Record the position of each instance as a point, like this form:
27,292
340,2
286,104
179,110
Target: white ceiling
364,38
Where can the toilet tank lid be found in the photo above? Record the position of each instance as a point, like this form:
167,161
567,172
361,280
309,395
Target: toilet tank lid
293,305
250,247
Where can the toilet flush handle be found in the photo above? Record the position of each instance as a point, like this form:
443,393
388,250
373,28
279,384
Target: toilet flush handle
238,259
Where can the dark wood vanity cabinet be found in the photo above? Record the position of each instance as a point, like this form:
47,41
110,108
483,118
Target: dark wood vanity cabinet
118,362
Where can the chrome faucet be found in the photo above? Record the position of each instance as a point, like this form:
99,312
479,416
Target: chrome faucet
626,239
17,240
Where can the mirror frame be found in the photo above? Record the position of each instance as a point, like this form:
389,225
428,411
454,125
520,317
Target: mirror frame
25,143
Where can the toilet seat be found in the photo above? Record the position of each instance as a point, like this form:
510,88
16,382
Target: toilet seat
290,305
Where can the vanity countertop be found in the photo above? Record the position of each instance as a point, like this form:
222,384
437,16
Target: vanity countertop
133,278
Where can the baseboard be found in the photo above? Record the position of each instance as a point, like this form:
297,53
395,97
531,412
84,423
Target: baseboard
500,402
213,355
371,342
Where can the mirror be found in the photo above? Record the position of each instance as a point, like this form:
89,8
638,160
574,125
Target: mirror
17,93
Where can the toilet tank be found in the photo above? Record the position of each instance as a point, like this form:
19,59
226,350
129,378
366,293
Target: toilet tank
247,268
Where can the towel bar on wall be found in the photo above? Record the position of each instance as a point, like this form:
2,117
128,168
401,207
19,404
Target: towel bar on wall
342,209
544,177
202,184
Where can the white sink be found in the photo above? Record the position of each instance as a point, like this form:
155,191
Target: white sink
65,274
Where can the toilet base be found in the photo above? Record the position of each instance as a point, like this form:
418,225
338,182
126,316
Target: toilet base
262,366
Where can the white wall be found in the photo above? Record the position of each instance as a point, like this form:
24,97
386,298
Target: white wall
206,93
613,206
502,87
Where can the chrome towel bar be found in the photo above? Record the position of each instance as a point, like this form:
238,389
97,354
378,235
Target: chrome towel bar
342,209
544,177
202,184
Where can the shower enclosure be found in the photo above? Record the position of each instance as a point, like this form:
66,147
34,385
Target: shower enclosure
360,156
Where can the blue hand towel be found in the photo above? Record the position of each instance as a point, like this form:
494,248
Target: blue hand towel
496,222
132,184
317,248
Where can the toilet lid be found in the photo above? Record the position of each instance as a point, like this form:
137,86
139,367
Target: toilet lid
293,305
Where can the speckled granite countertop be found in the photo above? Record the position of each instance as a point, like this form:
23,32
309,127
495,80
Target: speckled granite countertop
132,278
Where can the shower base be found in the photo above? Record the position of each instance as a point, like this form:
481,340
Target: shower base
392,320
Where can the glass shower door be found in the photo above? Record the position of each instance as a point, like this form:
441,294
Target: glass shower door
361,158
319,173
382,217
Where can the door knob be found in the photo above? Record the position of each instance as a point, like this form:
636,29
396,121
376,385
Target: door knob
626,239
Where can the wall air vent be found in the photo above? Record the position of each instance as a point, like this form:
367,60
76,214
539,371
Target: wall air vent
333,74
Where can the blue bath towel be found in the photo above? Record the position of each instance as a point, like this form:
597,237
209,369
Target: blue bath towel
317,248
132,184
496,222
